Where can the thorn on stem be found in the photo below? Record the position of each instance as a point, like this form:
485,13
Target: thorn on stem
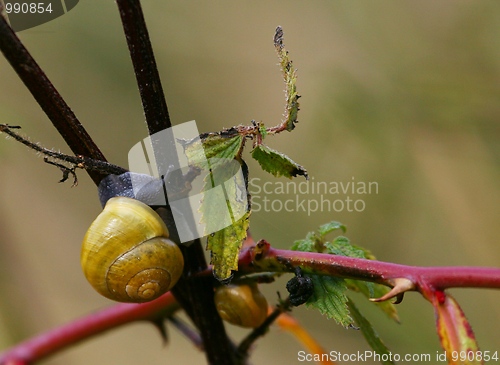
401,285
160,326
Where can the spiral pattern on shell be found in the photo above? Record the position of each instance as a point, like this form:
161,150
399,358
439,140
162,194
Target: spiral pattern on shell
126,254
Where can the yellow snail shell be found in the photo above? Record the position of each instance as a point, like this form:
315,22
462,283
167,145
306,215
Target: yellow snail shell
242,305
126,254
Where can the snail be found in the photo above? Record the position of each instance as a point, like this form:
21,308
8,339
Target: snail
126,254
242,305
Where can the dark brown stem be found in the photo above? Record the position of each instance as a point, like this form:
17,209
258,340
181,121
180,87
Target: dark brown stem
146,72
81,162
49,99
260,331
194,294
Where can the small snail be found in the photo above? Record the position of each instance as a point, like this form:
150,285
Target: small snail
242,305
126,254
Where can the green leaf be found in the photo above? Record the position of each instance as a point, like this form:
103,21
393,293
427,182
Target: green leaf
277,163
225,204
370,334
213,149
330,299
225,246
225,197
290,78
330,227
303,245
342,246
364,287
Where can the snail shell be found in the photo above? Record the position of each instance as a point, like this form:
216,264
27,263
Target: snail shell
242,305
126,254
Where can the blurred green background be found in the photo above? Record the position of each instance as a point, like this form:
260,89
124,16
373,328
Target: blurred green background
405,94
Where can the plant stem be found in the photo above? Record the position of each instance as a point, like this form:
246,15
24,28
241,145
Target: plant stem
50,342
426,279
263,257
244,346
146,72
194,294
48,98
83,162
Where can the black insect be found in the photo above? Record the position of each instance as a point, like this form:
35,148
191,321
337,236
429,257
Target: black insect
301,288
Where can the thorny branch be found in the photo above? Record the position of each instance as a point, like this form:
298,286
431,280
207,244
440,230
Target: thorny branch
195,296
261,258
258,258
49,99
80,162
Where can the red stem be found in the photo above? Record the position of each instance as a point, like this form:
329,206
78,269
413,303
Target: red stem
258,258
262,257
52,341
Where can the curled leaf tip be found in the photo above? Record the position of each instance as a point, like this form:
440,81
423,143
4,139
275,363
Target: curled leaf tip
401,285
278,37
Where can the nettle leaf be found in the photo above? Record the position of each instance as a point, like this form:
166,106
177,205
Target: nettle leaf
224,207
330,227
225,210
213,149
342,246
277,163
330,299
225,246
370,334
224,196
303,245
329,292
310,244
